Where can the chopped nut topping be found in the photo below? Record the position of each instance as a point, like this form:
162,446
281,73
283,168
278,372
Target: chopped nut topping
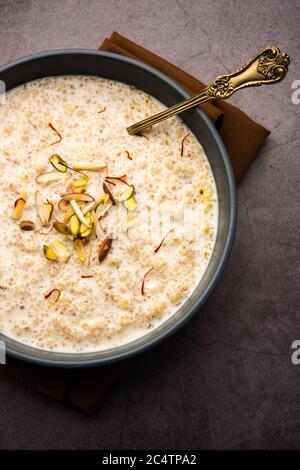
79,248
49,177
79,214
89,167
58,163
18,208
104,247
44,209
27,225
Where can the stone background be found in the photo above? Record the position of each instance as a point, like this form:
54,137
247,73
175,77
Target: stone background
226,380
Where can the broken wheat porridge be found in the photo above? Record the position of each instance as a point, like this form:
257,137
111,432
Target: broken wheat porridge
104,235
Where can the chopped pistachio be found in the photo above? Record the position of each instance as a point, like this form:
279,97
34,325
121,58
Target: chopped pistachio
130,204
49,253
58,163
74,225
79,248
68,214
18,208
60,227
80,184
127,194
61,251
85,231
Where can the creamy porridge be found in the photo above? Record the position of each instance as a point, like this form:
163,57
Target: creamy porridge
104,235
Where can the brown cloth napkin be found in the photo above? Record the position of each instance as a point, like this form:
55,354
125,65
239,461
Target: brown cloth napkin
83,389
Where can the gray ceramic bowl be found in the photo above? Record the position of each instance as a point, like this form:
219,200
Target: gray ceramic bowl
113,66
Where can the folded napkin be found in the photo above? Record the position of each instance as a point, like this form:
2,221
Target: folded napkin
83,389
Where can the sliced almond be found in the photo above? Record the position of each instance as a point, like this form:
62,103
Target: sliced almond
48,209
49,177
102,209
79,214
85,210
98,228
89,167
77,197
88,208
79,248
61,251
63,205
44,209
27,225
104,247
18,208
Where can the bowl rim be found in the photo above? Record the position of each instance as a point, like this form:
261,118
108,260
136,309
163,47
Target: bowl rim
227,244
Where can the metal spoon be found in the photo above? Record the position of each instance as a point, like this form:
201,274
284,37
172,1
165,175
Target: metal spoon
267,67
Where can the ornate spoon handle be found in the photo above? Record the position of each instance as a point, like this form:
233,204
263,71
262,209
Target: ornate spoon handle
267,67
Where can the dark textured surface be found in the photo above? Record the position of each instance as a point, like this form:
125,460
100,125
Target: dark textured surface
226,380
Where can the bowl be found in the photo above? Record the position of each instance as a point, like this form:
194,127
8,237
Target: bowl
116,67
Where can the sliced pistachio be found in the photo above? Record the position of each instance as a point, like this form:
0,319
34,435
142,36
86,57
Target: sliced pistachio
49,253
44,209
68,214
89,167
79,214
127,194
79,248
104,248
84,231
18,208
78,197
80,184
27,225
60,227
49,177
61,251
74,225
58,163
130,204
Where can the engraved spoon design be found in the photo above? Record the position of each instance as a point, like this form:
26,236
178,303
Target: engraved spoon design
268,66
